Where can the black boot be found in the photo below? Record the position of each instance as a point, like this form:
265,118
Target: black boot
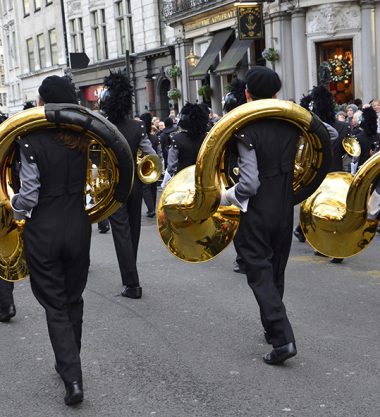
7,313
74,393
132,292
280,354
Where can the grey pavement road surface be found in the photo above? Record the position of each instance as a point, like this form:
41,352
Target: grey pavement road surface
192,346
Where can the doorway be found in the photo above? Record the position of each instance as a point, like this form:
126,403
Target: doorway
335,64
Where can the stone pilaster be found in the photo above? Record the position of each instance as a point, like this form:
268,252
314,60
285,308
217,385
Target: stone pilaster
377,46
300,62
282,37
367,40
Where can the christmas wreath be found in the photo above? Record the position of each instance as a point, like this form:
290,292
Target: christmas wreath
340,69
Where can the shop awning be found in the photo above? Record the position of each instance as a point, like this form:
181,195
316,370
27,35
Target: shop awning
233,56
204,64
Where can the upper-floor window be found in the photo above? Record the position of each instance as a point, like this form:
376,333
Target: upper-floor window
30,49
53,46
49,2
37,5
2,79
41,50
123,26
26,7
14,47
99,34
77,34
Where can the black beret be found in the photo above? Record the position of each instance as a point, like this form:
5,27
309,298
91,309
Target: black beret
56,89
262,82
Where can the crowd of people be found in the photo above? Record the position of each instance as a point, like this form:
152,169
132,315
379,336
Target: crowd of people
263,192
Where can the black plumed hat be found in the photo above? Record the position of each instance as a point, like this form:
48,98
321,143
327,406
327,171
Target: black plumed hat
55,89
116,102
369,121
194,119
262,82
323,104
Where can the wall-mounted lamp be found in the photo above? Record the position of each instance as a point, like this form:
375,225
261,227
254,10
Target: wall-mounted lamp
192,59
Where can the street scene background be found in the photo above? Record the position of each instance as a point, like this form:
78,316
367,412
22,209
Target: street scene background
193,345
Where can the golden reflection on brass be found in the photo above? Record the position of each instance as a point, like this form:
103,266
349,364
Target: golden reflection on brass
190,221
352,146
149,168
334,219
12,261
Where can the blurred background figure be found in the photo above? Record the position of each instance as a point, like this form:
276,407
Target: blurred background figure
150,190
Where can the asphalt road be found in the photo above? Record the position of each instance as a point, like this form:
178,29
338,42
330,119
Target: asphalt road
192,346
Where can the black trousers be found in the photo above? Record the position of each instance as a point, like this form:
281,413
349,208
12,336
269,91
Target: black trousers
265,236
150,196
126,228
6,294
57,255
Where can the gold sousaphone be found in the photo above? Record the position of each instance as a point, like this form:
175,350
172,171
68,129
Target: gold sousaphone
190,221
149,168
108,190
334,218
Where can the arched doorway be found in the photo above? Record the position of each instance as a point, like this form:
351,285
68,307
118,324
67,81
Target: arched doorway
163,106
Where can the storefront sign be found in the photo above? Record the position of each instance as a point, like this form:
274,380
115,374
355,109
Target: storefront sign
210,20
250,22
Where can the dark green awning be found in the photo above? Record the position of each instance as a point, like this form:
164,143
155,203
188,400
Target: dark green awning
204,64
233,56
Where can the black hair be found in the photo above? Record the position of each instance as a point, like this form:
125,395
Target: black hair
147,119
236,95
168,122
117,101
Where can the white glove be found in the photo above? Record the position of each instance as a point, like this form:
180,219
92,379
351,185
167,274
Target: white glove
167,178
229,198
354,167
373,206
224,200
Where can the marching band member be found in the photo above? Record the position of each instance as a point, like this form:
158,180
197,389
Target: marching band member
57,232
264,194
116,104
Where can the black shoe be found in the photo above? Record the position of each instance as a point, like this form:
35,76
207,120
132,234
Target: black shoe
132,292
299,235
238,268
150,214
7,313
336,260
74,393
280,354
267,338
104,229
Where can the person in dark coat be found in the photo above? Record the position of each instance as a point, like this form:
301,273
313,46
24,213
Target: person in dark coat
321,102
57,232
264,194
193,121
150,190
368,136
234,98
116,104
166,138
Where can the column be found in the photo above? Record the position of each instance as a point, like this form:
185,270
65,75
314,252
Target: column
282,37
367,42
377,46
216,102
300,62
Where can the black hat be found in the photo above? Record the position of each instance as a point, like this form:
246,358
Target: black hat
56,89
262,82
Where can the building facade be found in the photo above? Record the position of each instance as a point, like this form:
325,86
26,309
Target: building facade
86,39
306,35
